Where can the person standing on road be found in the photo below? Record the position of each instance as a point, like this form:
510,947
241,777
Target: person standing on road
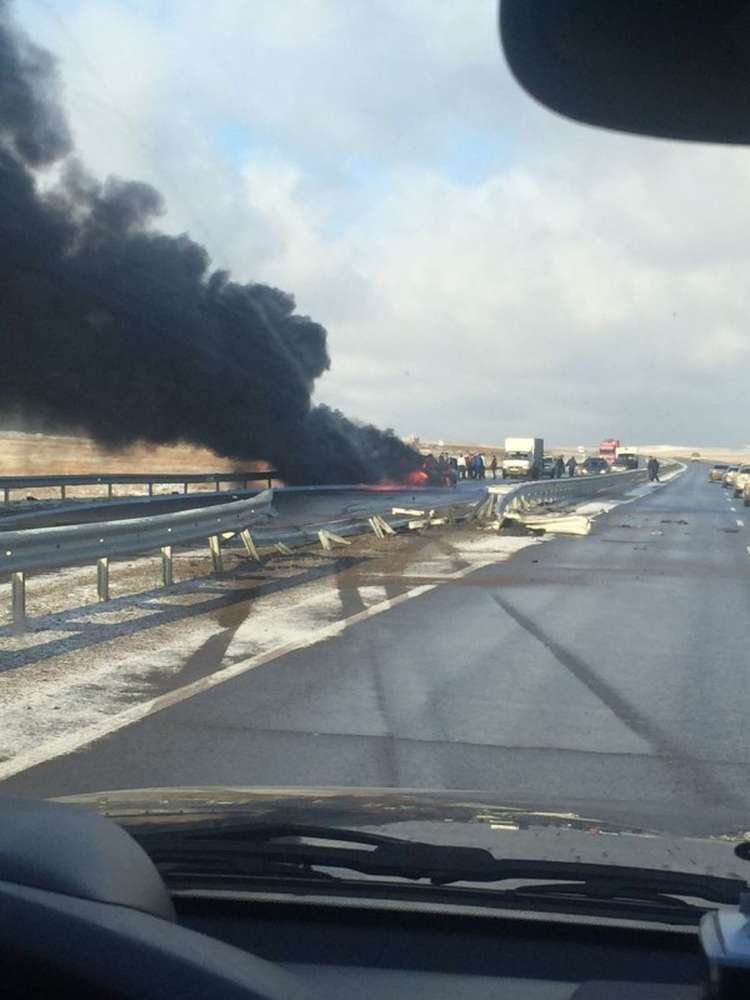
572,466
479,465
653,470
493,466
461,465
559,467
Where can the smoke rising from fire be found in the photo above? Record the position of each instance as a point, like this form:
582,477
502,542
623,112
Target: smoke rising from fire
112,327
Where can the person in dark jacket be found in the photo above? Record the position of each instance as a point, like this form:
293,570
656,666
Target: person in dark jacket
653,470
572,465
559,467
493,466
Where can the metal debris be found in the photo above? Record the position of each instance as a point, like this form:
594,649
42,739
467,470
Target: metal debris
557,523
380,526
328,538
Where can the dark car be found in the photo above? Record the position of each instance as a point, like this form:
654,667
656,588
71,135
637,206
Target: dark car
716,472
626,461
592,466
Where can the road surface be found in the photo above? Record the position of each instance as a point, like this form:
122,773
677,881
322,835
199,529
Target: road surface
604,674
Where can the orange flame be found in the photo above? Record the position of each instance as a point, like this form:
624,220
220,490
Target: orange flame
416,478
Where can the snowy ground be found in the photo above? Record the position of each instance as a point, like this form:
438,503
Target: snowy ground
83,663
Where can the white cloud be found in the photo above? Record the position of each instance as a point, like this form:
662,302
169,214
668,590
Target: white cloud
482,266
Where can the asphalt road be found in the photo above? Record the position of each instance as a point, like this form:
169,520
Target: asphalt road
605,675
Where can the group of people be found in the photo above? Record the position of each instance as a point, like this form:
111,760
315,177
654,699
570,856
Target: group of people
475,466
448,469
560,466
451,468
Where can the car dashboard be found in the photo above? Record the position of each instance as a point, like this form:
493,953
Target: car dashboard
86,912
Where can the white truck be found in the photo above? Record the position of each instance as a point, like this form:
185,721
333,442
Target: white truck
523,458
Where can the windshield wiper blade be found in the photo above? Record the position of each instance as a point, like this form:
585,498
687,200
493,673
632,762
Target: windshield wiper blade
282,848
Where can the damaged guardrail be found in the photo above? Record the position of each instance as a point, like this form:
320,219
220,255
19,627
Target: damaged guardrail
55,548
522,502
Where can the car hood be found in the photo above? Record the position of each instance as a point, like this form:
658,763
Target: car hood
457,818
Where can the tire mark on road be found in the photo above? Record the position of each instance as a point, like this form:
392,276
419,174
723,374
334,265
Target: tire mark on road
688,768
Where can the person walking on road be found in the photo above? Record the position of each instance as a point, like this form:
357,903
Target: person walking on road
493,466
572,466
653,470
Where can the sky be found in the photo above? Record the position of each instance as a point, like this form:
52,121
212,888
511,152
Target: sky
483,267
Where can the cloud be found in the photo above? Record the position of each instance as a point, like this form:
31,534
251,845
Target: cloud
482,266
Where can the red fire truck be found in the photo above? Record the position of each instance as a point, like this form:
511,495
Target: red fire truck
608,449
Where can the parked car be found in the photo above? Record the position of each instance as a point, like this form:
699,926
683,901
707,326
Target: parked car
592,466
716,472
548,467
626,461
727,479
743,474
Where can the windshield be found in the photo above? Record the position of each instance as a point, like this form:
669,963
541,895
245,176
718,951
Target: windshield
284,286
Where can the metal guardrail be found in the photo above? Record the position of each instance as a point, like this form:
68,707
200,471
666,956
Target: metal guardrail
570,488
55,548
9,483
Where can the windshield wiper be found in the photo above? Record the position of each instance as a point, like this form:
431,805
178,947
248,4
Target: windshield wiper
280,849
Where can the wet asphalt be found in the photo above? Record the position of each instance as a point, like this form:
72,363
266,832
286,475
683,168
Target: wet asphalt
605,675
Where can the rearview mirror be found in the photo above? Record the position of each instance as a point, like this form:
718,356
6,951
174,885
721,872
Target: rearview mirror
673,68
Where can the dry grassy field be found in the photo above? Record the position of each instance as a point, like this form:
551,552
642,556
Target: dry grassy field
60,455
42,454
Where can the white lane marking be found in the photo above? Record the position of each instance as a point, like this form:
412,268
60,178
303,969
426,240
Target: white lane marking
740,524
733,508
748,549
68,743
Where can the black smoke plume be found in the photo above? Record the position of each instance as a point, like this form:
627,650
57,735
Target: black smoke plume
111,327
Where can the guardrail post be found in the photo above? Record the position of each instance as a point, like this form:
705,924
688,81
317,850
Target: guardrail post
18,599
62,492
150,489
214,544
184,487
244,484
249,542
6,495
218,485
110,491
268,480
102,578
167,575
